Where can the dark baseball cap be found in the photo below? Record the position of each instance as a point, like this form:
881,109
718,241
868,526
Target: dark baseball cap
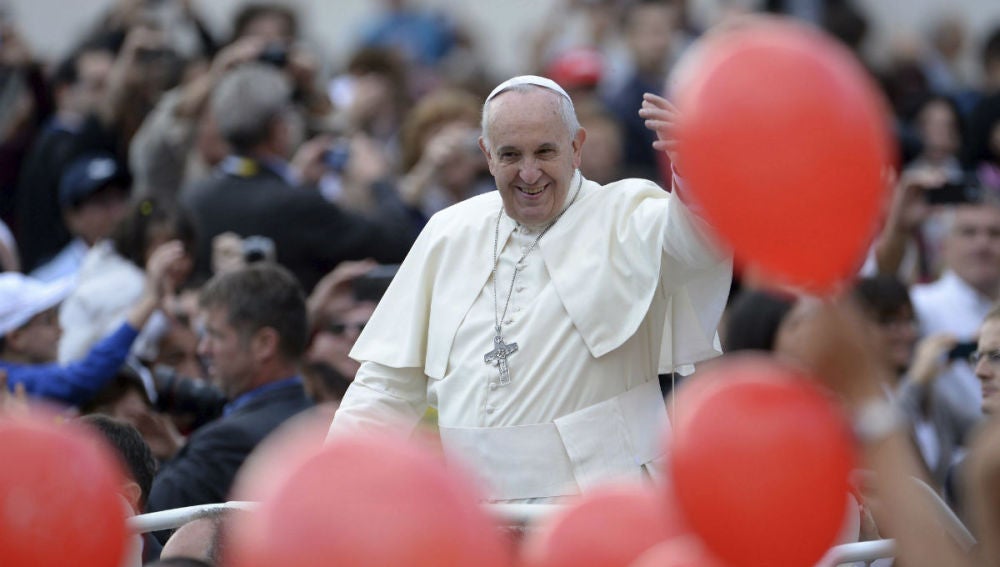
89,173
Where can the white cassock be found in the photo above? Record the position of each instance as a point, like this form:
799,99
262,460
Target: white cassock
625,285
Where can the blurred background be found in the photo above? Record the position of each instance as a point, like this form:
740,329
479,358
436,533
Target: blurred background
507,26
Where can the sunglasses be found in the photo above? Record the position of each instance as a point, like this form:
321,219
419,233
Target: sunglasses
341,328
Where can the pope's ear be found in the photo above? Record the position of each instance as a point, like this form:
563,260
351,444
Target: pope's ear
486,152
578,139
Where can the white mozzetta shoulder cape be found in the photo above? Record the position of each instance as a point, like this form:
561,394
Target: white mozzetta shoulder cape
613,249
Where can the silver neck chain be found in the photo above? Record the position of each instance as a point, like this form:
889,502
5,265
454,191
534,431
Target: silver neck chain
497,316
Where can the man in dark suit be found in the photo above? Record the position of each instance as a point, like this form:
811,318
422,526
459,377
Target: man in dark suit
254,191
255,334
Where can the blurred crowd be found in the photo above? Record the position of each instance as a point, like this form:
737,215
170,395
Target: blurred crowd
166,193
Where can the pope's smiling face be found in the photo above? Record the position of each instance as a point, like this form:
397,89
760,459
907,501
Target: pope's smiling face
532,154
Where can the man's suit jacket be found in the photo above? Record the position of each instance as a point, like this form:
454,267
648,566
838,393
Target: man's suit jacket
203,471
311,234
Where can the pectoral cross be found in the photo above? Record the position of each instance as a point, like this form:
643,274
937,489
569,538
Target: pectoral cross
498,357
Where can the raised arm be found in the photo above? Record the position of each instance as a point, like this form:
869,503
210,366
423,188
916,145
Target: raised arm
77,382
833,343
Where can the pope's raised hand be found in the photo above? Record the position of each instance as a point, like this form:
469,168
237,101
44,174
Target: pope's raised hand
661,117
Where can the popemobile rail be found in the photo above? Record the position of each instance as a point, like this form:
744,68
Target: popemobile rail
512,514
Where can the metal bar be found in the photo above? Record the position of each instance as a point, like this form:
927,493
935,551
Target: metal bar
861,551
169,519
515,514
511,514
521,514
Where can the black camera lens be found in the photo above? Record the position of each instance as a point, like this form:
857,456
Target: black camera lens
181,395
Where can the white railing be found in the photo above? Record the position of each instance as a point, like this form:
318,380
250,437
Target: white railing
511,514
862,551
177,517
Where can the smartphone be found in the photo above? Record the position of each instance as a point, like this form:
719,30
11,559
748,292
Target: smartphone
335,159
961,351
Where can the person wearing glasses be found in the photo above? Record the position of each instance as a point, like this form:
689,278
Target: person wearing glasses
339,308
985,362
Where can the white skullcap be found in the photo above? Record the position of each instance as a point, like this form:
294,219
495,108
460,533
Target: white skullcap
528,80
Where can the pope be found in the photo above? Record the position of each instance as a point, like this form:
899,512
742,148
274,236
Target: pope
536,318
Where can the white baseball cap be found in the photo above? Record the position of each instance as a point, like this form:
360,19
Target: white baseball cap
22,297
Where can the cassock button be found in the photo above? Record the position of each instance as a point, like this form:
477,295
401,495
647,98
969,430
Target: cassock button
489,409
493,385
508,321
520,288
521,265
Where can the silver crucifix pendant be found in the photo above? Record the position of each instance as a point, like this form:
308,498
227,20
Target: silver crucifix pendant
498,357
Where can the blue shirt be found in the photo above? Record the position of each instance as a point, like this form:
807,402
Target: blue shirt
250,395
77,382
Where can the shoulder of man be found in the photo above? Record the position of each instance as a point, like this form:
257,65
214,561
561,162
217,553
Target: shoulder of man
240,432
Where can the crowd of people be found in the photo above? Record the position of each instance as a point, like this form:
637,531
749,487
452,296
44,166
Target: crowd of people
194,234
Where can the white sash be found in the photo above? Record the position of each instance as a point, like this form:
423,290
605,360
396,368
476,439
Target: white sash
612,440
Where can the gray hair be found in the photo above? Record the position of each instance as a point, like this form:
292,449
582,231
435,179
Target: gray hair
246,103
566,110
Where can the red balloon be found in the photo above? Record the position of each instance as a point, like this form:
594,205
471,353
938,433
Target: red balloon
59,497
604,528
760,465
370,501
784,139
678,552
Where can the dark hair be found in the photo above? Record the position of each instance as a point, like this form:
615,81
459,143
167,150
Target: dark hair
926,100
754,318
262,295
846,22
883,296
125,380
179,562
991,49
131,447
251,12
387,63
132,236
67,71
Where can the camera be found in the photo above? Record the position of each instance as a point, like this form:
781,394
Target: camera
182,395
965,189
372,285
275,54
961,351
258,249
